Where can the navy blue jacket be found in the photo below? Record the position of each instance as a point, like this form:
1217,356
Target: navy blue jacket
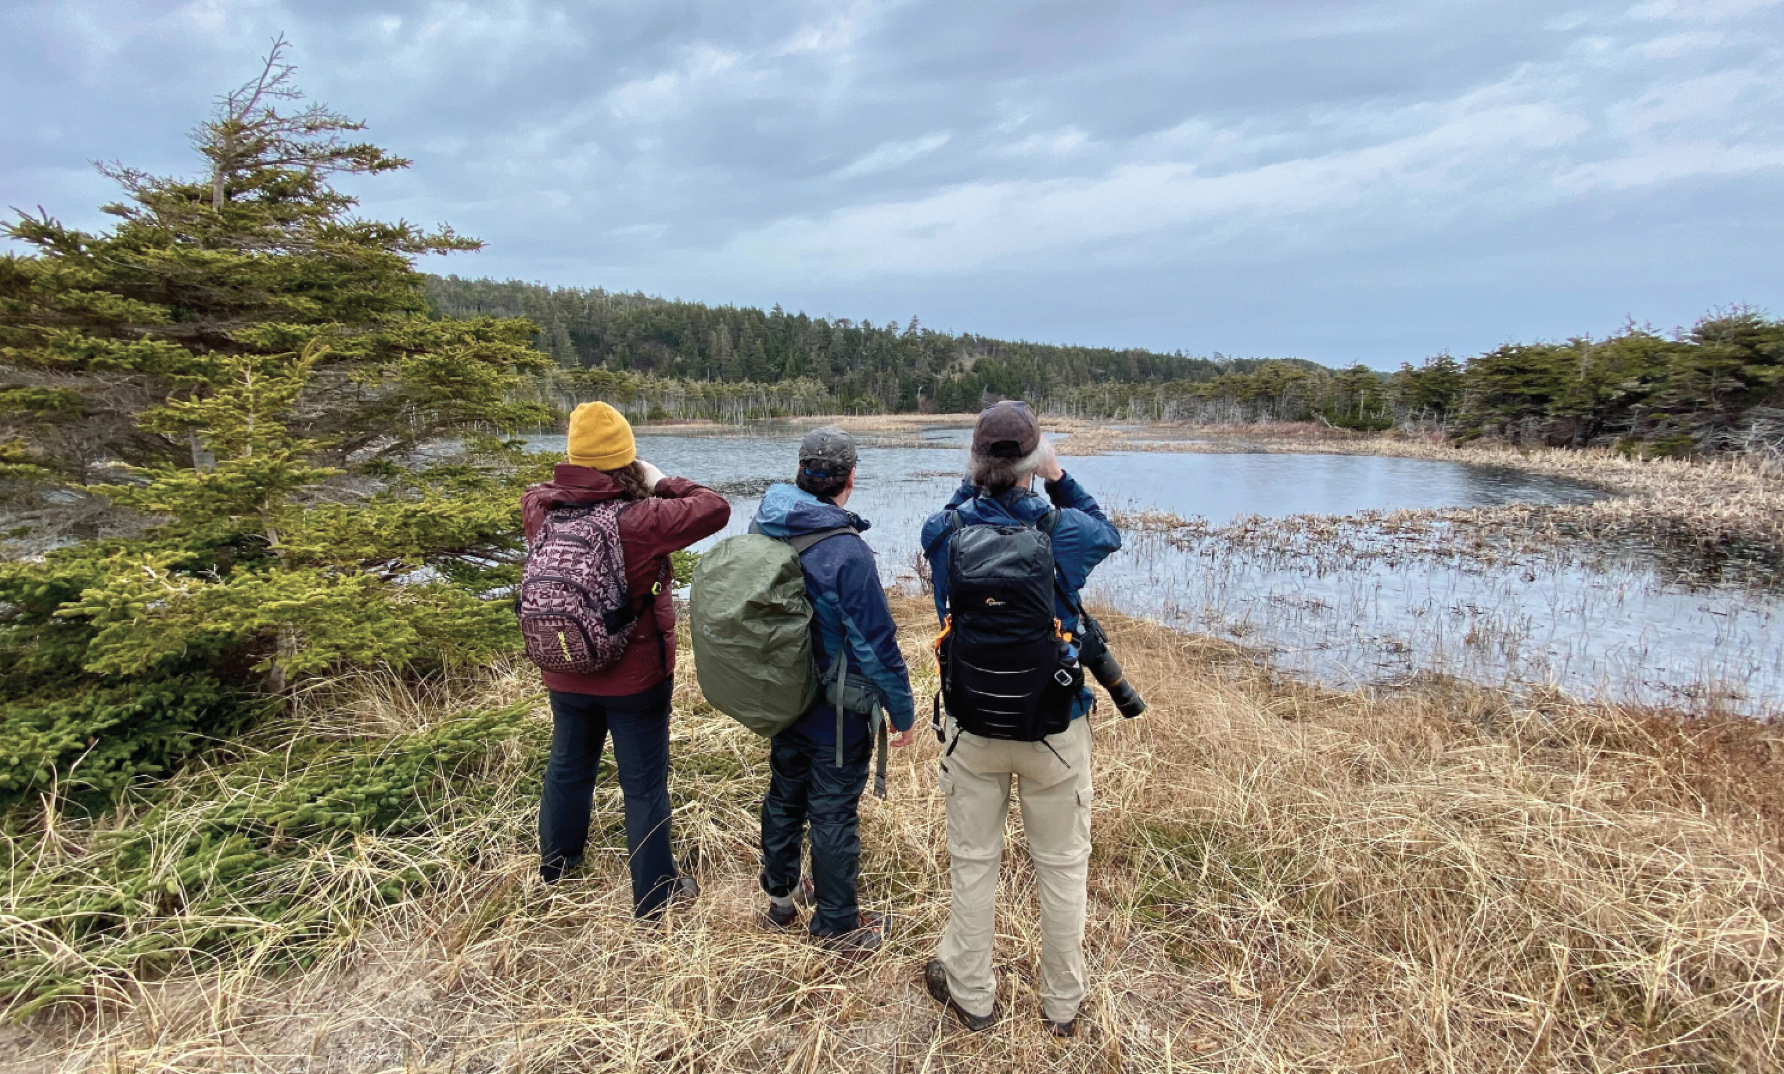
848,606
1083,539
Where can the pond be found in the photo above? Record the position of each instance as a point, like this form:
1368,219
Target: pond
1613,629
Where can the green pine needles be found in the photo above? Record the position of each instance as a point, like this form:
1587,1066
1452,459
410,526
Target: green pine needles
236,452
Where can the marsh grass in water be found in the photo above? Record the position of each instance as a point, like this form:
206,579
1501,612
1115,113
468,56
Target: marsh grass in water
1662,591
1286,876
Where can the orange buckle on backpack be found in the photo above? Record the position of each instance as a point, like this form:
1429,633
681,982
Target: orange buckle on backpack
936,645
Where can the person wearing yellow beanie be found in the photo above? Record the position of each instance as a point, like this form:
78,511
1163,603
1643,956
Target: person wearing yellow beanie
600,438
627,701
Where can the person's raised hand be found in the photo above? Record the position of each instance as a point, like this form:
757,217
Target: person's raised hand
1049,468
652,475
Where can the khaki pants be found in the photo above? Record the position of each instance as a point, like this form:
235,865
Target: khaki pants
1056,796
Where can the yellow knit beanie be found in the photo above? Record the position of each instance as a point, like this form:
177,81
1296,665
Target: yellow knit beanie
600,437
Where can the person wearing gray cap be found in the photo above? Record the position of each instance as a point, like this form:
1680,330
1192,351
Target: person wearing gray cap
819,766
1018,710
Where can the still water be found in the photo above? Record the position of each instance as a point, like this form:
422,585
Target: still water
1618,631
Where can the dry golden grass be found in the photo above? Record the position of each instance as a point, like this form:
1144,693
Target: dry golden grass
890,423
911,423
1286,878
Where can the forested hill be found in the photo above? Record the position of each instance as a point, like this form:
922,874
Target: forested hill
1715,387
859,364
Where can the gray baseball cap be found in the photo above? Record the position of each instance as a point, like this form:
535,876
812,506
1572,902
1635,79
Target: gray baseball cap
827,451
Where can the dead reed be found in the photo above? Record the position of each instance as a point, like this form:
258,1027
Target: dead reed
1286,878
1706,518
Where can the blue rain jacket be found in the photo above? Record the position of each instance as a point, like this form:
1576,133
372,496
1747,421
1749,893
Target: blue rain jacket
1084,538
848,607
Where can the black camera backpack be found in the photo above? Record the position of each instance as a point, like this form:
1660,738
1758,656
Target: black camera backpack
1006,672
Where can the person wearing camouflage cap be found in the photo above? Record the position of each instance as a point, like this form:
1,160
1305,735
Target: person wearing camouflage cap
826,451
852,629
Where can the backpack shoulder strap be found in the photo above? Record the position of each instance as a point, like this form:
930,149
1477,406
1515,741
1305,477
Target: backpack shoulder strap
1047,524
806,540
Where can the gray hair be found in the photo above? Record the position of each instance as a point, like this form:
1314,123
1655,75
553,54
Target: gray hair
995,474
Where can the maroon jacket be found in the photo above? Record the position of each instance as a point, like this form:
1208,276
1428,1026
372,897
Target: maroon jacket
679,514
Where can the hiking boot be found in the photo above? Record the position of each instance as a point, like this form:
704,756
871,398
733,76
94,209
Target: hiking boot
685,891
862,940
784,920
935,978
558,868
804,894
1061,1029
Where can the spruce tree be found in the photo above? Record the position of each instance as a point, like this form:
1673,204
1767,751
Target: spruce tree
250,453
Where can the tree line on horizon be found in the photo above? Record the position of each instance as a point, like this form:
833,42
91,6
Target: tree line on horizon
659,344
1714,387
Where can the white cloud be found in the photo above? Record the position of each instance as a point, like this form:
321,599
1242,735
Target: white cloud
976,224
834,33
1674,46
671,91
890,155
1050,143
1704,11
206,16
1669,163
1718,100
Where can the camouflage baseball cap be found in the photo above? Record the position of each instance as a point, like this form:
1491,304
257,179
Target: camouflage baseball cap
827,451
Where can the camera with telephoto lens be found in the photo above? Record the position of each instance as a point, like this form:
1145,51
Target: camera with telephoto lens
1093,655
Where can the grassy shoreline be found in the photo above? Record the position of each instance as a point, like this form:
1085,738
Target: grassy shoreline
1286,877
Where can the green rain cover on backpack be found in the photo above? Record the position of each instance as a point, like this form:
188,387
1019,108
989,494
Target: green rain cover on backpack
750,622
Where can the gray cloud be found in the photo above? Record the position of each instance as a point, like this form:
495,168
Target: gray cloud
1337,180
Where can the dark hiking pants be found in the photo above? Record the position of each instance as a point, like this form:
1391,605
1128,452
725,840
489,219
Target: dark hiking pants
639,723
806,787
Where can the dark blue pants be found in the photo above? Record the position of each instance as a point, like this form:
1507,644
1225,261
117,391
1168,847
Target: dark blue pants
639,724
806,787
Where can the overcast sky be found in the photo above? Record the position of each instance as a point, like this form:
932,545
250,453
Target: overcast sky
1326,179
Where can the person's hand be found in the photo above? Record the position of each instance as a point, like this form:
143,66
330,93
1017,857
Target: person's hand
652,475
902,738
1049,468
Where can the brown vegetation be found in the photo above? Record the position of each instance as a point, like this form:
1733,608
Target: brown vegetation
1286,878
1704,515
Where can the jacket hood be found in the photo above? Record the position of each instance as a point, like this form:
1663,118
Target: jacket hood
570,486
788,511
1018,504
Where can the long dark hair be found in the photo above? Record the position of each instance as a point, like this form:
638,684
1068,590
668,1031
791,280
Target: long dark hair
630,479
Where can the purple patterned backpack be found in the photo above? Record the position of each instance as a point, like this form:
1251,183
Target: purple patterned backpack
574,614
